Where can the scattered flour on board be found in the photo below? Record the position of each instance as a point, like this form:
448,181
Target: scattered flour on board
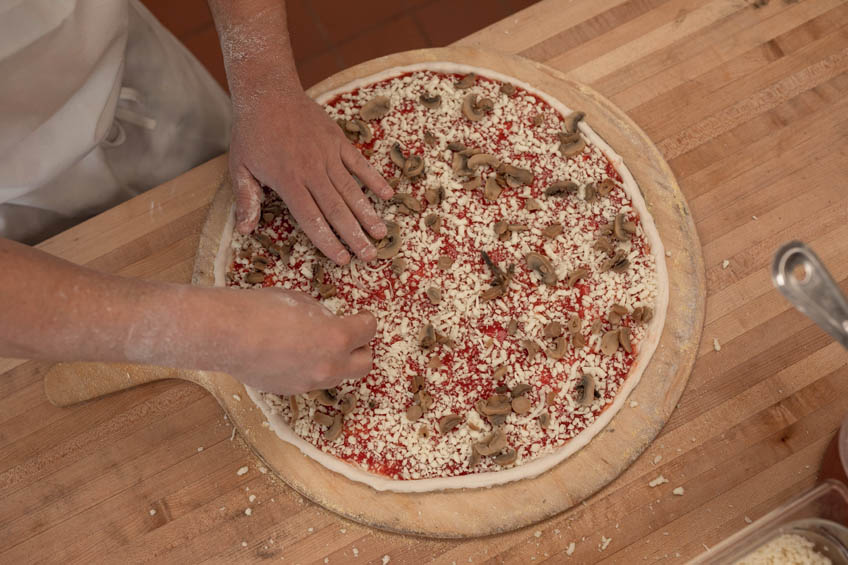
679,491
716,344
242,471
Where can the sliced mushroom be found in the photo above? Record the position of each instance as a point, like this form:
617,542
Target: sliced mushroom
508,457
375,108
552,231
516,176
260,263
408,200
501,389
543,267
520,390
558,351
491,293
575,324
494,405
618,262
643,314
521,405
605,187
348,403
617,311
326,397
618,228
281,250
398,265
430,139
531,347
544,420
473,458
552,330
491,444
507,88
500,227
295,411
492,190
413,166
416,384
578,341
604,244
576,275
473,184
459,165
562,188
532,205
467,81
335,430
427,336
590,194
445,262
596,327
360,130
550,398
585,390
430,101
572,120
470,109
449,422
255,277
396,155
624,339
512,327
434,295
571,144
424,431
537,120
456,146
609,342
414,412
389,245
487,105
483,159
434,222
434,196
322,419
518,227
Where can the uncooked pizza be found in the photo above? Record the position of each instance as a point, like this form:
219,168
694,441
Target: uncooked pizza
519,293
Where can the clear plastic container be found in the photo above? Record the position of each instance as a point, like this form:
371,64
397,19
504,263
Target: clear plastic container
819,515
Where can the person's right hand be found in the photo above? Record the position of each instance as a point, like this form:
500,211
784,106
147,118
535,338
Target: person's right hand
286,342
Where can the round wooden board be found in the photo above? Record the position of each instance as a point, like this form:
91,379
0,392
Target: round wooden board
476,512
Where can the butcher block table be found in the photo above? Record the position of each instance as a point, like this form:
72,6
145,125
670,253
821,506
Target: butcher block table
747,104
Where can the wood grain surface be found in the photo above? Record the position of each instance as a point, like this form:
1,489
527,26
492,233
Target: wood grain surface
482,511
748,106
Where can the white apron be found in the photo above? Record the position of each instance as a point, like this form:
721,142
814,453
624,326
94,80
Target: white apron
98,102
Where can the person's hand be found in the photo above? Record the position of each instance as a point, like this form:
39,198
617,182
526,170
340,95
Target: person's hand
288,143
286,342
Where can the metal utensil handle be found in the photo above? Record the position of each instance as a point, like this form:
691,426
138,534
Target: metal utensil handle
802,278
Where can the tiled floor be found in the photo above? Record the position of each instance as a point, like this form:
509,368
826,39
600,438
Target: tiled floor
329,35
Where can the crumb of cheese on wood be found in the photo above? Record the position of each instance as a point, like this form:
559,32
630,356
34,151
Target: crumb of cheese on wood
678,491
242,471
725,264
605,541
248,511
716,344
658,481
386,559
633,404
237,398
152,511
657,459
570,549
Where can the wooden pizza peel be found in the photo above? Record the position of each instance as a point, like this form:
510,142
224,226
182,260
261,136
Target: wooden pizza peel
469,512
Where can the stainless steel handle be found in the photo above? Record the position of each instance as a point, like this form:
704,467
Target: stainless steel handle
802,278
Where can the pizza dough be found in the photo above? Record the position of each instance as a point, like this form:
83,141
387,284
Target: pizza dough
529,464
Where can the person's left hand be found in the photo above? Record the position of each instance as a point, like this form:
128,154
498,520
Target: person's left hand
288,143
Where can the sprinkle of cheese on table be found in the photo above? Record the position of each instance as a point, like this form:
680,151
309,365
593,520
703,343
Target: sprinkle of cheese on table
787,549
242,471
716,344
679,491
658,481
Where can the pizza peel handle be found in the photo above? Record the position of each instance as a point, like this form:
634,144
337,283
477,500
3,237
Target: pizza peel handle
802,278
66,384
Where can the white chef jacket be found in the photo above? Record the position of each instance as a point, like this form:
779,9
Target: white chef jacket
98,102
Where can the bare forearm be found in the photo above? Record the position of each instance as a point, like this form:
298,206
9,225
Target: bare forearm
51,309
257,51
